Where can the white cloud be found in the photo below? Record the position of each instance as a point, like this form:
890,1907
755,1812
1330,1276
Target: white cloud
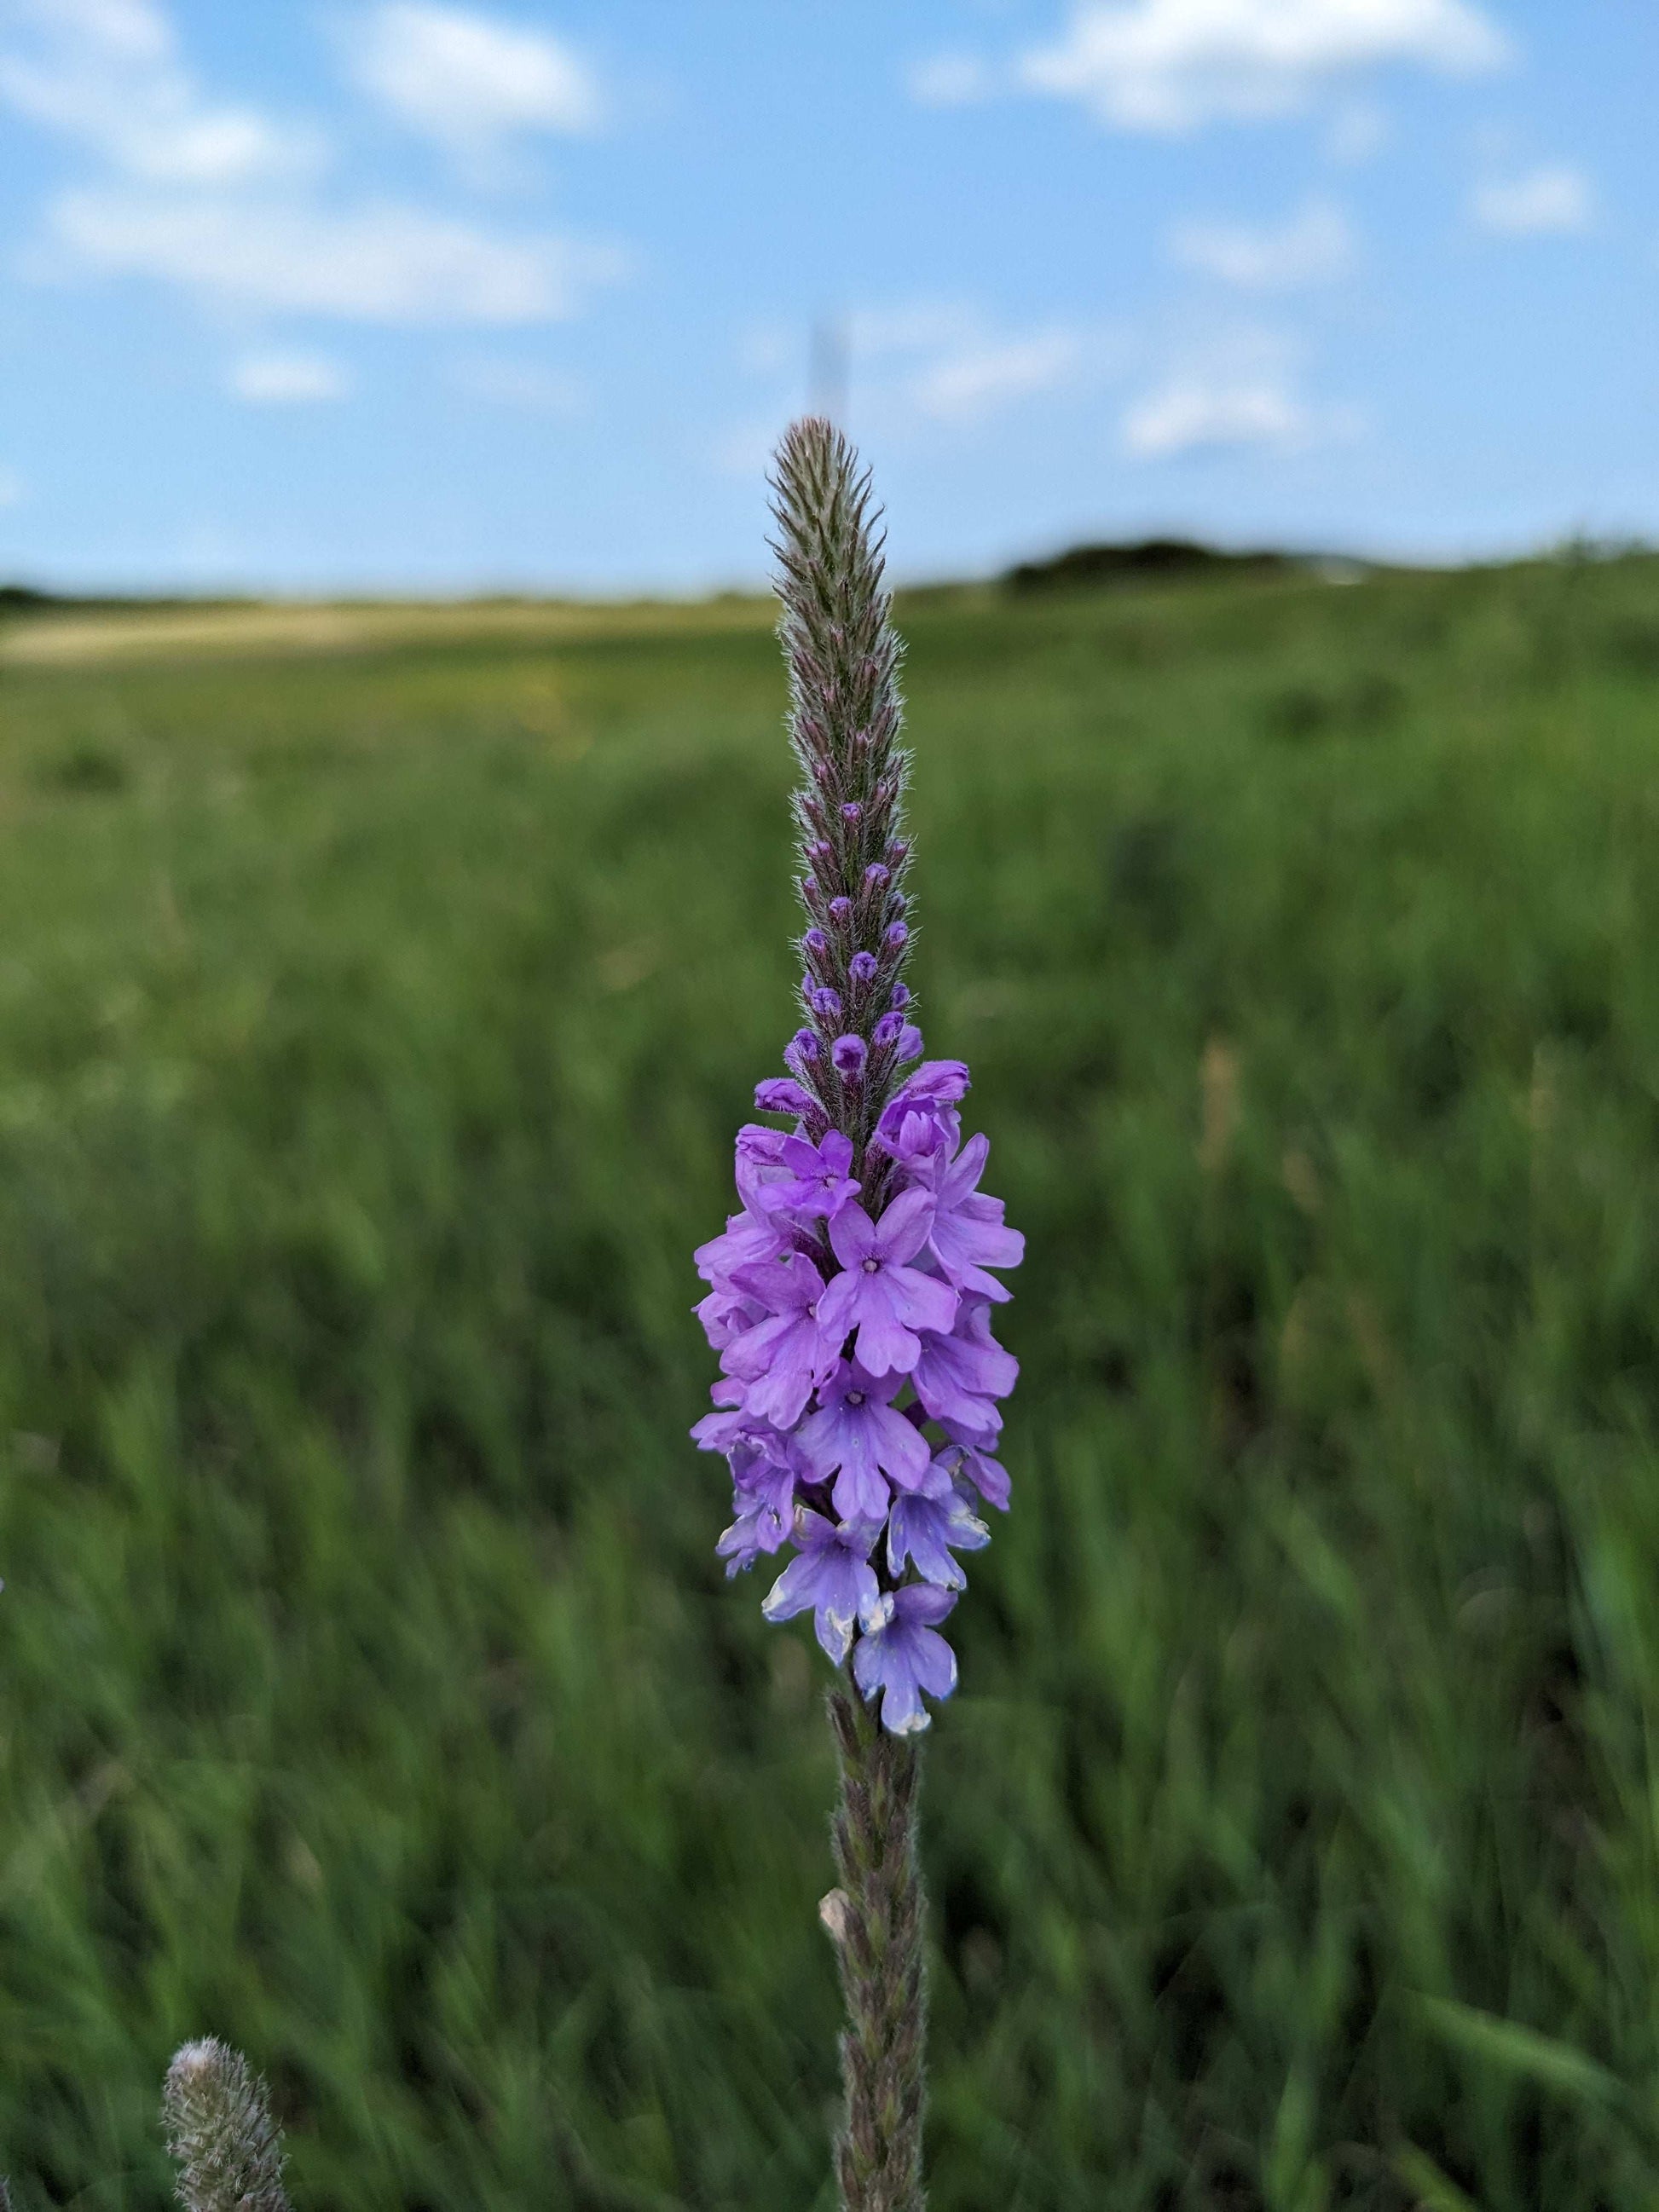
951,81
1171,65
970,382
380,263
471,82
1555,199
951,364
1237,391
108,73
1186,417
288,379
221,200
1313,247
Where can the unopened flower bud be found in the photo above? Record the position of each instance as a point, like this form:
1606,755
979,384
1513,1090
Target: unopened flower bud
862,966
849,1055
899,996
852,811
826,1003
897,937
876,877
780,1094
889,1030
803,1046
841,911
816,943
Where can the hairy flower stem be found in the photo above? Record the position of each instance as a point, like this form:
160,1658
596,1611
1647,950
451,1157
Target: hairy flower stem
877,1919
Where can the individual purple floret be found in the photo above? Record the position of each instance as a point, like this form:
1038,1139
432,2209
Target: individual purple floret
850,1297
818,1181
858,1438
900,1656
833,1576
928,1529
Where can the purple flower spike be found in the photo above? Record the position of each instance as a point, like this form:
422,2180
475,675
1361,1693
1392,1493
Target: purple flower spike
927,1530
888,1301
850,1298
857,1437
831,1574
903,1656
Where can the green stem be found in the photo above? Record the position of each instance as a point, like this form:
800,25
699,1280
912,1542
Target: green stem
876,1917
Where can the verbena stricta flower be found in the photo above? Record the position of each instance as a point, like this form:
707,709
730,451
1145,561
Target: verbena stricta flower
850,1296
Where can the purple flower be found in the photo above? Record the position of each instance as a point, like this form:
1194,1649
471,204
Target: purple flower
816,943
857,1437
747,1239
825,1003
763,1499
885,1300
988,1476
899,996
967,1235
876,877
897,937
921,1119
832,1574
927,1530
818,1181
863,968
956,1376
840,910
726,1312
781,1359
902,1655
849,1054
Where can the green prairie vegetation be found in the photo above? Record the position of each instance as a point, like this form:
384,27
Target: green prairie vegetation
377,1005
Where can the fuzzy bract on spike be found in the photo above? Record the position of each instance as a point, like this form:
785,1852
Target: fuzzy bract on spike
220,2129
850,1298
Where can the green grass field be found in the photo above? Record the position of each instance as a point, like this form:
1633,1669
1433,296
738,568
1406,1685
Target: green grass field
378,1002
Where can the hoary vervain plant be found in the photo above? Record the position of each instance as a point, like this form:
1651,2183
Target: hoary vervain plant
850,1302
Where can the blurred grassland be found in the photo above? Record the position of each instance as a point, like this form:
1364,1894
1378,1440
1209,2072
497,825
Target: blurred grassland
376,1010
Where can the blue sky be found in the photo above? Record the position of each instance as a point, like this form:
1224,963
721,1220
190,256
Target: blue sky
397,294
